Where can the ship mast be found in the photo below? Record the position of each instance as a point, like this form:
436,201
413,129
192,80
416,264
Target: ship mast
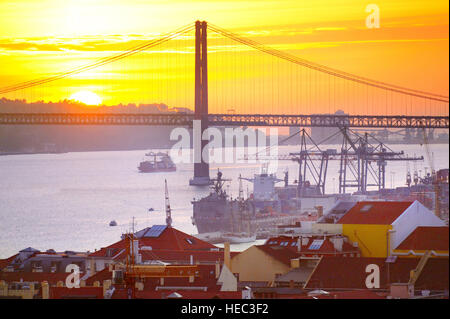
241,191
168,210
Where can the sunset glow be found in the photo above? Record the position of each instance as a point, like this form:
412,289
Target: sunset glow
410,49
86,97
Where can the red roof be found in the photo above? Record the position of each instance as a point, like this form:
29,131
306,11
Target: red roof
185,294
50,277
169,239
426,238
205,277
100,276
350,273
281,254
184,256
326,247
76,293
353,294
5,262
376,213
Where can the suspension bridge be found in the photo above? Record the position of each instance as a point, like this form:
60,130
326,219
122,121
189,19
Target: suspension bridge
251,84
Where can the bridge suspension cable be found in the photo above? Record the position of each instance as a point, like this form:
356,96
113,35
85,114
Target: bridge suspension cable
99,62
328,70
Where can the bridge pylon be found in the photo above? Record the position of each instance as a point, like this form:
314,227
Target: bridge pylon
201,163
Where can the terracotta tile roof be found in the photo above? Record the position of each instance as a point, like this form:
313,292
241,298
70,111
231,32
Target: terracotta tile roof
426,238
185,294
377,213
349,273
17,276
283,255
169,239
353,294
76,293
434,275
183,256
100,276
206,277
5,262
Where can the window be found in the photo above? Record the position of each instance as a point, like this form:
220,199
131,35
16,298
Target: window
190,241
294,243
366,208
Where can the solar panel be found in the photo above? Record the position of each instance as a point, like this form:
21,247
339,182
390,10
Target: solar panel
155,231
316,244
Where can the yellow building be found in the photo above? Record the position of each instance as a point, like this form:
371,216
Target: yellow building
372,240
378,228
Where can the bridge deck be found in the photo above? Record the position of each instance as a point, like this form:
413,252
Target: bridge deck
366,121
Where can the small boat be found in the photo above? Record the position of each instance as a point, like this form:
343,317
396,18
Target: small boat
151,209
112,223
238,238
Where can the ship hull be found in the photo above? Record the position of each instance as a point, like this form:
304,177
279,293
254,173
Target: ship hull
156,170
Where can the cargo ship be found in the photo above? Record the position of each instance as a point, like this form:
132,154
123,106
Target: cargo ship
157,162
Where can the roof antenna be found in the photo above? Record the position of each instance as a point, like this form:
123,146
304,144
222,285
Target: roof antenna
168,211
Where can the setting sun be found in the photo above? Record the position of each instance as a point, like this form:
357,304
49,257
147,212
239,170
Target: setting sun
86,97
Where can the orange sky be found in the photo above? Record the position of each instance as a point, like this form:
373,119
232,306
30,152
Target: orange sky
411,49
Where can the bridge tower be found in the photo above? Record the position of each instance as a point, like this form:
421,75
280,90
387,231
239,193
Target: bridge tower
201,164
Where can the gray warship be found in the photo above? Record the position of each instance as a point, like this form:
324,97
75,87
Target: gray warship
217,212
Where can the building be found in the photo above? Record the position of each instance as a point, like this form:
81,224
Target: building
151,241
379,227
247,265
339,273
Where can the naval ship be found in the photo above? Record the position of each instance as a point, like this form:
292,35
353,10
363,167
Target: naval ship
218,213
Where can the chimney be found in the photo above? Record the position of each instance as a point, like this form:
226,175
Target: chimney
401,290
139,286
226,257
295,263
92,267
161,281
299,244
136,251
191,260
106,286
338,242
45,290
305,241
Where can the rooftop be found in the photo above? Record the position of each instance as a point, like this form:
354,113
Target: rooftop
158,237
426,238
350,273
376,213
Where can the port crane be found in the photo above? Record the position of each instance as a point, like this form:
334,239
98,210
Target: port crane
357,159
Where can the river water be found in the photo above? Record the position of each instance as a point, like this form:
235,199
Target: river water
66,201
